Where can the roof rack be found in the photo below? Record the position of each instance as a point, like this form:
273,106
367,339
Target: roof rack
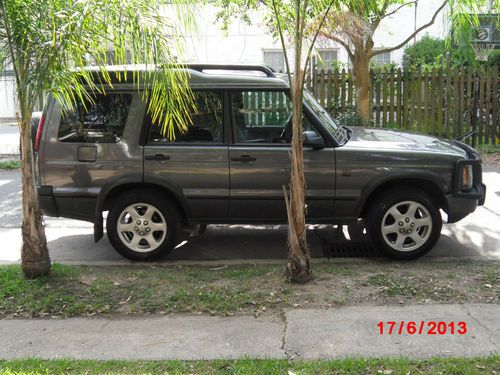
268,71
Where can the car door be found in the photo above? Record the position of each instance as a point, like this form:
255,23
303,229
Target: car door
196,162
260,159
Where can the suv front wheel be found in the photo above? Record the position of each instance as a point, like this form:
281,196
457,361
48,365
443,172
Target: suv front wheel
404,223
142,225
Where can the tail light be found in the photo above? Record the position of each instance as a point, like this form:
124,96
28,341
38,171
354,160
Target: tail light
39,133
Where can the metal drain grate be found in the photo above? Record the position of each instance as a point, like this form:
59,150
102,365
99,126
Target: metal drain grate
352,249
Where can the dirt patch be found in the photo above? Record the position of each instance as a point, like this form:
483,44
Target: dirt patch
234,290
491,159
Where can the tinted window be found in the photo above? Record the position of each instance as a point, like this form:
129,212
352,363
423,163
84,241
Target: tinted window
207,125
101,120
263,117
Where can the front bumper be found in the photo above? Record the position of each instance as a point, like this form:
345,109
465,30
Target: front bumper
461,204
460,207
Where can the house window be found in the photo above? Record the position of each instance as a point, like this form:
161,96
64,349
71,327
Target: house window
275,59
381,59
327,58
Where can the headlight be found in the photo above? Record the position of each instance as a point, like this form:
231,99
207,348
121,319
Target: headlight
467,178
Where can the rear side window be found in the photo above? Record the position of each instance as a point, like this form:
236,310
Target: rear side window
101,120
207,122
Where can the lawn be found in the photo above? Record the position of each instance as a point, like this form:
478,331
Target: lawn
490,154
487,365
10,164
243,289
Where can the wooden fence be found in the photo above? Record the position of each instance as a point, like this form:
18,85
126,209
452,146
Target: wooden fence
445,102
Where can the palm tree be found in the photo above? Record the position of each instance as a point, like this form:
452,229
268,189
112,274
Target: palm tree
49,43
292,18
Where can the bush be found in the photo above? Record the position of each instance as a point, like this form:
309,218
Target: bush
494,58
431,52
427,51
350,117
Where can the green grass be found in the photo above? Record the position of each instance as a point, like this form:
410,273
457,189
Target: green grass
392,286
244,289
10,164
489,149
485,365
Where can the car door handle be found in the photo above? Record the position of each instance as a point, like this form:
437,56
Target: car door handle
157,157
244,158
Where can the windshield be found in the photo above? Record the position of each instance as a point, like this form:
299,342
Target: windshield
328,122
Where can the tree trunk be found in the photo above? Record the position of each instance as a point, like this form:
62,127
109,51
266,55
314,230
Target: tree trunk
35,259
362,82
299,260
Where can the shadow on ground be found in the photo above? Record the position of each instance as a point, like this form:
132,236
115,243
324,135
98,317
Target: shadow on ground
244,242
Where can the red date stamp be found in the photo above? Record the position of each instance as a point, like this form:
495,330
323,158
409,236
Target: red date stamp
422,328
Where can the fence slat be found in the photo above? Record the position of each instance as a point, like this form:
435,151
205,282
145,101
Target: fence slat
399,86
391,98
406,91
377,98
329,92
425,121
487,116
343,90
495,111
418,104
446,100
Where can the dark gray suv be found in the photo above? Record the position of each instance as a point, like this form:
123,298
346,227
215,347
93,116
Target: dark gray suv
229,167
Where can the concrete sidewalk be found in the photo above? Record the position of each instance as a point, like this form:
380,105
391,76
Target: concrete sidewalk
307,334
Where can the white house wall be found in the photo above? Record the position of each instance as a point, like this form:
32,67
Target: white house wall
8,104
245,43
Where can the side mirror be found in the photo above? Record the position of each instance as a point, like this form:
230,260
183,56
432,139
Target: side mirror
312,139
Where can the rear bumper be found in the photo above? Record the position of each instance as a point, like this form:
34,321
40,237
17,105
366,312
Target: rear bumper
47,201
79,208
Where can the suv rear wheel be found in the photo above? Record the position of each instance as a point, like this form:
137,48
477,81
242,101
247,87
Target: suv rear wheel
404,223
142,225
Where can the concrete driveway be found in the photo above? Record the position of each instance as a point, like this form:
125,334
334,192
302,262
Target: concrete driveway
70,241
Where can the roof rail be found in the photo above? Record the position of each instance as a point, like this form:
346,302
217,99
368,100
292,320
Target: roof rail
268,71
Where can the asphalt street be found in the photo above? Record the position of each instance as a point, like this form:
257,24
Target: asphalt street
71,241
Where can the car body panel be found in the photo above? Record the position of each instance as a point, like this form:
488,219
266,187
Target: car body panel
201,172
257,186
61,169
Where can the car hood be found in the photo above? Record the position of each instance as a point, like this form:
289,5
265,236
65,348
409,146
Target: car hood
378,139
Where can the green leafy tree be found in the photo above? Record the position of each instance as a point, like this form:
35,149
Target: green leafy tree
291,22
49,43
355,25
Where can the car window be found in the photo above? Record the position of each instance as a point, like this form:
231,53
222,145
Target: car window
207,122
263,117
97,120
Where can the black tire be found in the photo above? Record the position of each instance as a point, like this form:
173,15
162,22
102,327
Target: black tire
387,215
159,244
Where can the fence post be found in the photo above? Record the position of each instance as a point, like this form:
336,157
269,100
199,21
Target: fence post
474,114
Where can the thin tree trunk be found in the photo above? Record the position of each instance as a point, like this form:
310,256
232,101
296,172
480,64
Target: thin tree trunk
363,84
35,258
299,260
